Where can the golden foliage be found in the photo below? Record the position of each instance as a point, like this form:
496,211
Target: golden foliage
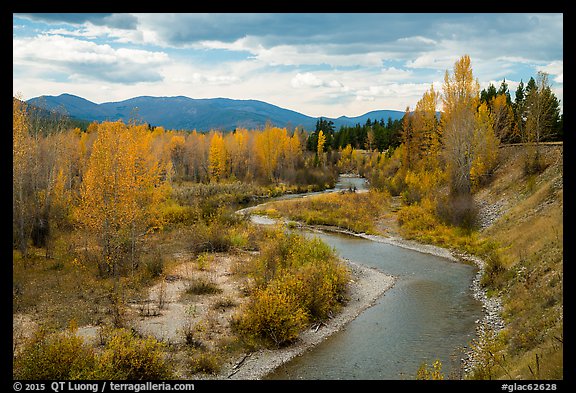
484,146
435,373
122,187
217,157
297,281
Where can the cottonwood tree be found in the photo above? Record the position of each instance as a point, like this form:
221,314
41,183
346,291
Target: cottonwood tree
485,146
120,191
21,151
196,155
40,169
542,117
268,146
237,146
502,116
321,145
426,129
460,100
218,156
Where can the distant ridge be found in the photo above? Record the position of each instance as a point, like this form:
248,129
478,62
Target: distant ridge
201,114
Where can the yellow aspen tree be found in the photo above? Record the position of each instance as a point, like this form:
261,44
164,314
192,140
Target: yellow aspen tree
120,186
283,144
293,151
237,148
502,115
59,162
320,146
427,128
217,158
485,146
197,156
21,150
176,152
370,140
460,100
345,162
358,159
268,145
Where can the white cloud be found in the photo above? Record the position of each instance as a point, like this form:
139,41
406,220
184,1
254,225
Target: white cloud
268,57
87,60
308,79
416,40
395,74
435,60
555,69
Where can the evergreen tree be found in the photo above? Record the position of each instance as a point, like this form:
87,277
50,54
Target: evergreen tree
518,108
486,95
504,90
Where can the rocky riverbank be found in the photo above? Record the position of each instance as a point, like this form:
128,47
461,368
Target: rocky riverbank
492,306
367,285
492,321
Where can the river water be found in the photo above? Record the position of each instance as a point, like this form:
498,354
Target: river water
428,314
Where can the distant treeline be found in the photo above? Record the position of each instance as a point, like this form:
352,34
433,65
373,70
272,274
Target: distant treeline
373,135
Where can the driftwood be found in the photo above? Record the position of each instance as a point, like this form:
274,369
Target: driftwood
238,364
317,326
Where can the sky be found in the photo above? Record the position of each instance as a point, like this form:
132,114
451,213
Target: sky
319,64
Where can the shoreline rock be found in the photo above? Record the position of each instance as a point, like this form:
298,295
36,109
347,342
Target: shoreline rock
492,306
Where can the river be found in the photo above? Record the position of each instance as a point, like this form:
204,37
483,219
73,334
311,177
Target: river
428,314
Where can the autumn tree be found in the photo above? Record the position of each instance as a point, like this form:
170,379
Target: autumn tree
409,143
44,162
320,146
426,132
218,165
268,148
460,100
176,148
502,116
120,191
345,163
484,145
21,150
197,151
542,117
292,152
237,146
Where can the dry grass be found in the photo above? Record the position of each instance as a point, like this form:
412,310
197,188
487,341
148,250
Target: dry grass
530,235
357,212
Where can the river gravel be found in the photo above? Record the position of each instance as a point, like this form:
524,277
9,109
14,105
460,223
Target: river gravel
366,286
492,306
258,365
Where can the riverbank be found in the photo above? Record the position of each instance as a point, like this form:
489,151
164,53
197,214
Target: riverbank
367,285
492,306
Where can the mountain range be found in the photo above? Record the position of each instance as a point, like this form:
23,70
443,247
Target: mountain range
184,113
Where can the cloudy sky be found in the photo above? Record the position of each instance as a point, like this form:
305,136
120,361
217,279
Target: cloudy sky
317,64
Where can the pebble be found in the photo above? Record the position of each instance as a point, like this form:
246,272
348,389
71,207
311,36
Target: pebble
492,307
